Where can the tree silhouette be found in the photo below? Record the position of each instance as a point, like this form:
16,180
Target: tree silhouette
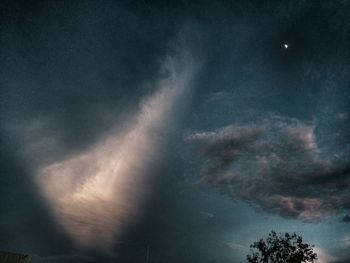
282,248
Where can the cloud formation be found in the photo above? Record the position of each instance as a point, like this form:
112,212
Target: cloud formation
95,193
276,166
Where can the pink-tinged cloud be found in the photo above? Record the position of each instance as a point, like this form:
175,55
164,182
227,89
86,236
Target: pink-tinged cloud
304,208
275,165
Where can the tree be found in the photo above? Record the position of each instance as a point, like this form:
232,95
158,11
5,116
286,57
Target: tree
282,248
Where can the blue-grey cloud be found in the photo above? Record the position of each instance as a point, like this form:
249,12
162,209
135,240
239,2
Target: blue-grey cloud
346,218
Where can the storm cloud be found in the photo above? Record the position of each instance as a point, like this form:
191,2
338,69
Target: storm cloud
96,192
276,166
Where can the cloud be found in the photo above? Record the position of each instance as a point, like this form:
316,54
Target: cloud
346,218
235,246
276,166
95,193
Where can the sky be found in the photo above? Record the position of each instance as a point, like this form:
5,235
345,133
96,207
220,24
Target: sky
173,131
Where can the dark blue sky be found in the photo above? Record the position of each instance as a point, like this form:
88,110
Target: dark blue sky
183,128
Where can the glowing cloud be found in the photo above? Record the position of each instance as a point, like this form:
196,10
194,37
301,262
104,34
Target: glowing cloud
94,194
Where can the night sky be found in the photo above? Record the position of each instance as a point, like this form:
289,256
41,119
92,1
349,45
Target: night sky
173,131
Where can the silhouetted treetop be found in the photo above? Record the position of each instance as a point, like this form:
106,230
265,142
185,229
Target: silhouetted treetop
281,248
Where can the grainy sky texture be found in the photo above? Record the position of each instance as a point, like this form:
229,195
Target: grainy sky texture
173,131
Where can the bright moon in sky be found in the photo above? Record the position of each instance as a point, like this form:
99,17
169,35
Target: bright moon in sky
285,46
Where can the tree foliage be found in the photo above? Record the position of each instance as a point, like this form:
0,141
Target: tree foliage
281,248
